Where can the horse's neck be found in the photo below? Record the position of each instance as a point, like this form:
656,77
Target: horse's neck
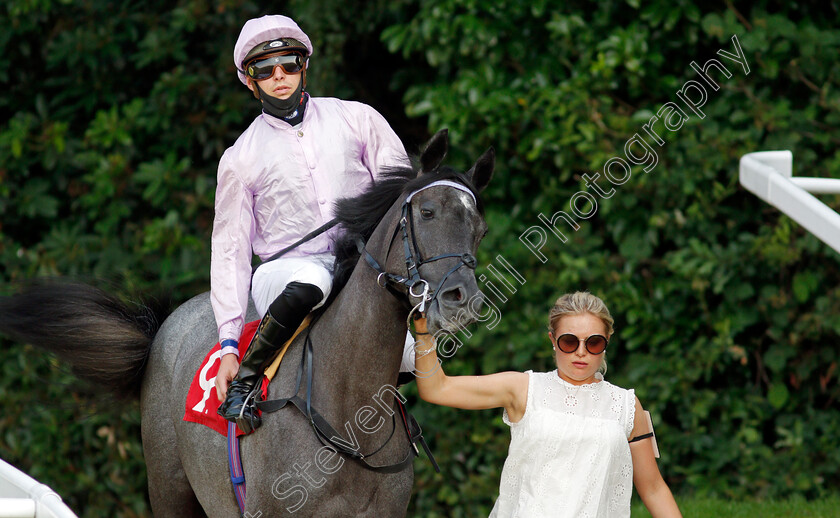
362,333
369,320
367,325
358,346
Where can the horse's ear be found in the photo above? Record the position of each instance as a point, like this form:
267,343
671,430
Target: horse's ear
482,170
434,152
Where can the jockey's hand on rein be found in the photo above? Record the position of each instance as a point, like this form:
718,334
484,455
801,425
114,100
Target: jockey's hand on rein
227,371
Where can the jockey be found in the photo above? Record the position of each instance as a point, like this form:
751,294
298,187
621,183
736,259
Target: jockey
276,184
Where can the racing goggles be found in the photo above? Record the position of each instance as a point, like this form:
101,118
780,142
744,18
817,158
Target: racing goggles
569,343
263,68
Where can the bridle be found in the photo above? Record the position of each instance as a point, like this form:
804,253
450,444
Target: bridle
414,259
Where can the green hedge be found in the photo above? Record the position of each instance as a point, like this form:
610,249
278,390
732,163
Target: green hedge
727,312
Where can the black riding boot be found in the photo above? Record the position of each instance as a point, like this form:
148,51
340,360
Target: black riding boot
278,325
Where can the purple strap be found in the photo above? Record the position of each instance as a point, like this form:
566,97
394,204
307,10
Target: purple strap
237,476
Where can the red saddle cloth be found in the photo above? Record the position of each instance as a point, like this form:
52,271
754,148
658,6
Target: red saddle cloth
202,403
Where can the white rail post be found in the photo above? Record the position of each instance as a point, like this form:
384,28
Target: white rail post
769,175
21,496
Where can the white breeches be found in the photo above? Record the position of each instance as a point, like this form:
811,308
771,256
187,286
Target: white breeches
271,279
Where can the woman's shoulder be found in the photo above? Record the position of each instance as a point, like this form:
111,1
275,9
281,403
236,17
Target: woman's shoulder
617,392
540,376
623,403
545,382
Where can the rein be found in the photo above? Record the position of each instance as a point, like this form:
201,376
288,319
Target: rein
308,237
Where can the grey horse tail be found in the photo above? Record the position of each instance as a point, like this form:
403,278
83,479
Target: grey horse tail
106,341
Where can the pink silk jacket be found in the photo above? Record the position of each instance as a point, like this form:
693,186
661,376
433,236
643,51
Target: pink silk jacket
278,183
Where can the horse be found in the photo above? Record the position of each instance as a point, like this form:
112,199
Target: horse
356,342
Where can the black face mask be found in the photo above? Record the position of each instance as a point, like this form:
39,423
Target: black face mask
289,110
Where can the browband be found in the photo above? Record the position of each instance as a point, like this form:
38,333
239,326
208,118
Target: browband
447,183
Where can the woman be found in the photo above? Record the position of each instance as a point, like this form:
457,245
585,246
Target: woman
577,441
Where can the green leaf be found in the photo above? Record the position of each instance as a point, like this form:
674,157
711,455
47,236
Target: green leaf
777,395
804,283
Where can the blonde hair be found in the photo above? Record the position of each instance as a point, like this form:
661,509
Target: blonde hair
579,303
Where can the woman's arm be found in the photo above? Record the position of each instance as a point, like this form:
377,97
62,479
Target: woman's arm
646,477
503,389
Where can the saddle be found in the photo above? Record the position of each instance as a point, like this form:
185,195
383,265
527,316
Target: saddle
201,402
271,370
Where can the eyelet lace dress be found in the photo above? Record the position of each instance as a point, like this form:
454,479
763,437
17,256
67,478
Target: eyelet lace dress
569,455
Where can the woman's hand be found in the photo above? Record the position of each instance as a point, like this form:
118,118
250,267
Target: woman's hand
420,326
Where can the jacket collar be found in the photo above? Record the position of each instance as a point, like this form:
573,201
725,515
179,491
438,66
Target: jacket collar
280,124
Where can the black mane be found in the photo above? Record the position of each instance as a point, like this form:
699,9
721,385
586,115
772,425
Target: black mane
360,215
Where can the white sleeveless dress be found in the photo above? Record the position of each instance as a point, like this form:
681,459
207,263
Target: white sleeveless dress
569,455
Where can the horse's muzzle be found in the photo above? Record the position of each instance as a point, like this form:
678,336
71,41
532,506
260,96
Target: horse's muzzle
458,305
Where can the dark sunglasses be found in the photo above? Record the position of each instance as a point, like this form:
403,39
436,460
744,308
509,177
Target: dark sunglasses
260,69
568,343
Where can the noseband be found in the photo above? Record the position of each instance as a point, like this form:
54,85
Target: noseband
414,259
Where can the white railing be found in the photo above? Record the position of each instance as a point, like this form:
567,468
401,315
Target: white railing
769,175
21,496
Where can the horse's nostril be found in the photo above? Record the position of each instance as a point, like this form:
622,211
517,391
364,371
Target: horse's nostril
454,295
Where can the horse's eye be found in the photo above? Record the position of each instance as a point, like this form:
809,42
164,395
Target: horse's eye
427,213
